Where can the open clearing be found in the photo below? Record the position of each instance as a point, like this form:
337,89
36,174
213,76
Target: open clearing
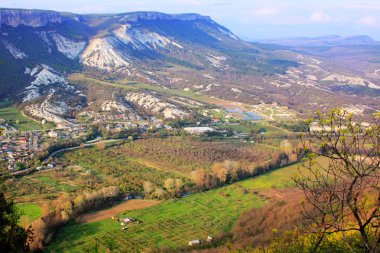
129,205
29,211
174,223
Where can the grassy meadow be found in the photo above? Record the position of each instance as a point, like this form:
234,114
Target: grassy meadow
174,223
29,212
14,117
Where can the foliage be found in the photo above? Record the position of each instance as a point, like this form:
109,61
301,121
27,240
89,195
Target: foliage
12,237
344,195
66,209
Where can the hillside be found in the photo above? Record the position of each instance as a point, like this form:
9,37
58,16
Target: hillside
180,51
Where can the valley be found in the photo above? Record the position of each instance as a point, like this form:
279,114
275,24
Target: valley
153,132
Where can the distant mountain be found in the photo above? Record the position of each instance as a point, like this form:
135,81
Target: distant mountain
327,41
40,51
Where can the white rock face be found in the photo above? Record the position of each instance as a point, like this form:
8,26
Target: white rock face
235,90
155,105
101,53
44,75
356,109
142,39
114,105
228,33
68,47
14,51
216,61
49,111
350,80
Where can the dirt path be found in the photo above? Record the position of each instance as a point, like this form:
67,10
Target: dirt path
129,205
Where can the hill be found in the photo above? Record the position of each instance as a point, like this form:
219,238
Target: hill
172,51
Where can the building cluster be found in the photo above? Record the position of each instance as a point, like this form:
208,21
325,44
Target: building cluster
17,149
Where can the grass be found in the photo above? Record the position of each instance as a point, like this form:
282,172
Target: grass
173,223
29,211
134,86
247,127
14,117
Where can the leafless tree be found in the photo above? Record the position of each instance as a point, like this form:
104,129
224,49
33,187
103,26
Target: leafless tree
340,179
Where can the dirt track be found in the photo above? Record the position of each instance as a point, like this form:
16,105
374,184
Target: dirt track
129,205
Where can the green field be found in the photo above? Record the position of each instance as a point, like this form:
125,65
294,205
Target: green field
247,127
173,223
29,212
14,117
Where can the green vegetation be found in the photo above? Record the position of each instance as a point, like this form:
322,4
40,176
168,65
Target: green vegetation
254,128
133,86
29,211
174,223
14,117
12,236
90,169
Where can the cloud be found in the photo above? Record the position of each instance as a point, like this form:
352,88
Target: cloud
368,21
266,12
319,17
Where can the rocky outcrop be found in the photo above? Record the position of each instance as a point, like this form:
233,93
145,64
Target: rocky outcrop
136,16
33,18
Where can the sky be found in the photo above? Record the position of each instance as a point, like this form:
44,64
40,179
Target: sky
252,20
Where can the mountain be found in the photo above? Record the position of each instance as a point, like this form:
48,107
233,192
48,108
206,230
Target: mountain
326,41
50,61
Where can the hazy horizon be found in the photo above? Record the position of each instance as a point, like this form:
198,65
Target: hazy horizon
249,19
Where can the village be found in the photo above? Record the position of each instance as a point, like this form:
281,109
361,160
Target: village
19,148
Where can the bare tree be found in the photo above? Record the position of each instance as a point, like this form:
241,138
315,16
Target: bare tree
340,179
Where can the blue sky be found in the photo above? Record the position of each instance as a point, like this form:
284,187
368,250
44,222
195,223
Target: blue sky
249,19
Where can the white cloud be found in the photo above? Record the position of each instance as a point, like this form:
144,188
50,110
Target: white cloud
319,17
266,12
368,21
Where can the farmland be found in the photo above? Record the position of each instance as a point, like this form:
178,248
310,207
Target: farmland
13,116
129,165
175,222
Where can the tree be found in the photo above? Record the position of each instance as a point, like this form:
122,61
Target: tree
340,180
220,173
12,237
101,145
170,186
148,187
201,178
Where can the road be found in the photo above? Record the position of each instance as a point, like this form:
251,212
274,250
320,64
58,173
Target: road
85,145
27,171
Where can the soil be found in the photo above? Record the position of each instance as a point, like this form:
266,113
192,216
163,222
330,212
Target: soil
129,205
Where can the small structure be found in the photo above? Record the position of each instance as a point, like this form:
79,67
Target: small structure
198,130
127,220
194,242
209,239
53,134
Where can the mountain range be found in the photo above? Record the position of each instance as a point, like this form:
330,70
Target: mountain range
42,54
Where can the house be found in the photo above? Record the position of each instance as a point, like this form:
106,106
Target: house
194,242
209,239
53,134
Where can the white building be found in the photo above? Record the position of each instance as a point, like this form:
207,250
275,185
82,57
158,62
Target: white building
198,130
